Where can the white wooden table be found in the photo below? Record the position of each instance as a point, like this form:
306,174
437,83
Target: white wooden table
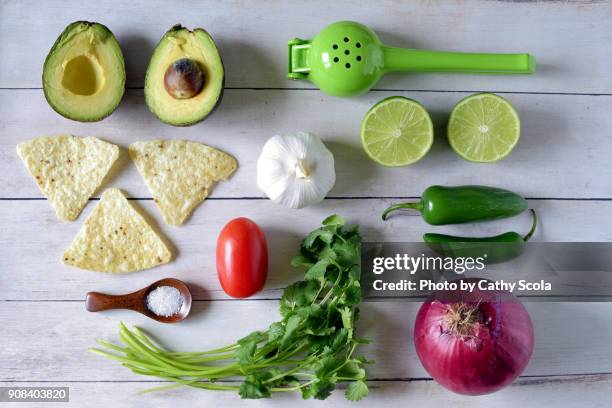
562,163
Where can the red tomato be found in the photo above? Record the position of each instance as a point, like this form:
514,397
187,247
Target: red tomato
242,258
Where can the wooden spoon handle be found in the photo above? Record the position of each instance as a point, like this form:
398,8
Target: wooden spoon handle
96,302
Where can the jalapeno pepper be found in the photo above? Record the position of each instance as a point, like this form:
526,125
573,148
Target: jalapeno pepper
499,248
455,205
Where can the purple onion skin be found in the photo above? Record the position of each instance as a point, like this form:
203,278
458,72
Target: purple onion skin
488,355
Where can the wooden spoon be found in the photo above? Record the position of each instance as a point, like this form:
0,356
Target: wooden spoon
137,301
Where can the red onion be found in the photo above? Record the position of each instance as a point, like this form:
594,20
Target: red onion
473,343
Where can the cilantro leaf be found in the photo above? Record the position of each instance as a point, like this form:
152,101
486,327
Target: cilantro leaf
297,295
319,390
249,390
335,220
320,331
291,327
347,318
353,294
325,366
254,386
301,261
317,271
322,234
355,272
352,369
275,332
356,390
347,252
339,339
246,352
255,336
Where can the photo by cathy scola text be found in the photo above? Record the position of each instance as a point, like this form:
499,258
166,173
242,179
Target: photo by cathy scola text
314,346
463,285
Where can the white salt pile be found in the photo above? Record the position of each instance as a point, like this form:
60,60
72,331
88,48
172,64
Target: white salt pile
165,301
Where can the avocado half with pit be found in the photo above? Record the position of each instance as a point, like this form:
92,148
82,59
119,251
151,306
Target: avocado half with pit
84,73
185,77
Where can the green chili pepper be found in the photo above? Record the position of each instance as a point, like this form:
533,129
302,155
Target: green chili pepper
455,205
499,248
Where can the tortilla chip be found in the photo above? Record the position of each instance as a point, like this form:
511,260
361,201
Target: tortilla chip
116,238
68,169
180,174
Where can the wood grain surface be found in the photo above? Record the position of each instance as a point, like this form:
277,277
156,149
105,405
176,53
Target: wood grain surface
562,164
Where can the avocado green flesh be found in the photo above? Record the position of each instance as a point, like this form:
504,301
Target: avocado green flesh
84,73
180,43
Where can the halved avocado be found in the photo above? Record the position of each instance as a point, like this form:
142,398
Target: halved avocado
84,73
185,77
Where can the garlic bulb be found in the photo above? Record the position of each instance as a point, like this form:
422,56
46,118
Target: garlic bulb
295,170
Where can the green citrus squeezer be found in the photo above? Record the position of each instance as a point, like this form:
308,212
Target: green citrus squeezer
347,58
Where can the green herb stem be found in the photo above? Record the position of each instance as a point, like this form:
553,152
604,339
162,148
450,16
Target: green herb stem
309,350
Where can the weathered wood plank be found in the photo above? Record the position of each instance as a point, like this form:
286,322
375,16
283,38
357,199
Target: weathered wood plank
592,391
565,37
47,341
33,240
562,153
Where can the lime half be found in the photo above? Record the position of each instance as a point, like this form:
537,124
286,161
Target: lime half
483,128
397,131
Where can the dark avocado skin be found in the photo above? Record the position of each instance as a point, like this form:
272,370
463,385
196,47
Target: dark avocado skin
179,27
61,40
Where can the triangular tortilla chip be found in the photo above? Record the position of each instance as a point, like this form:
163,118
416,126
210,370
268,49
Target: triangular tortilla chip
180,174
68,169
116,238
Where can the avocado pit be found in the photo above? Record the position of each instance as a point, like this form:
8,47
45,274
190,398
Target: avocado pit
82,76
184,79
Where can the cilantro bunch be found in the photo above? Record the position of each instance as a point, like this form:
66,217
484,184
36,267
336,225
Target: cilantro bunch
310,350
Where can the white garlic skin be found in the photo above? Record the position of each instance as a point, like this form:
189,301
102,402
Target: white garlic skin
296,170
